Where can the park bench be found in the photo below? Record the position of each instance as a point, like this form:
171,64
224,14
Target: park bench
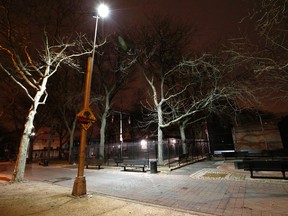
257,154
93,162
236,154
118,161
241,164
266,165
135,164
43,161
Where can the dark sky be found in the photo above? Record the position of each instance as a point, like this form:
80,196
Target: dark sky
213,19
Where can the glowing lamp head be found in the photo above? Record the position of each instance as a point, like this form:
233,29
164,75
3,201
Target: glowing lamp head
103,10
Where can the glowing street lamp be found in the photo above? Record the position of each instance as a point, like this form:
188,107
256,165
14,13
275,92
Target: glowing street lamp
103,11
79,187
143,144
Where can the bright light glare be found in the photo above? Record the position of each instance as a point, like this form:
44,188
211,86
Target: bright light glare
103,10
173,141
143,144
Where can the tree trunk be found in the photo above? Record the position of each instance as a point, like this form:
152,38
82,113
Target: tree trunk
104,123
71,139
50,143
160,136
18,174
102,135
160,147
183,138
60,146
19,170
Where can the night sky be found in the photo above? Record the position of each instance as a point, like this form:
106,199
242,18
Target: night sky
213,19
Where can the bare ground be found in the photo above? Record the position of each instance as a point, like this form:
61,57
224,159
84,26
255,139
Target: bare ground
39,198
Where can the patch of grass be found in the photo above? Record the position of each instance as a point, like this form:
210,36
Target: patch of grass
215,175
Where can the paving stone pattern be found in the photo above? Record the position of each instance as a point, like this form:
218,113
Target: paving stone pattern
190,188
207,195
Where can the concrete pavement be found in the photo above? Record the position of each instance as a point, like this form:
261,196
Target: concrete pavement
208,187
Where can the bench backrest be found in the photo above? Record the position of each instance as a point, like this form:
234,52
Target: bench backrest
267,164
136,162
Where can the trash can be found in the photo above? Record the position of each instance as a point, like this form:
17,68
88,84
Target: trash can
153,166
45,162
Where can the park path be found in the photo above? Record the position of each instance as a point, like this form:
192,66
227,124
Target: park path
186,188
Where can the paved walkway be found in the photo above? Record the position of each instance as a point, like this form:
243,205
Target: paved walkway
210,187
212,195
232,192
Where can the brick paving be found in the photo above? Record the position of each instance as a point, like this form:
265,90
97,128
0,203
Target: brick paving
181,189
210,196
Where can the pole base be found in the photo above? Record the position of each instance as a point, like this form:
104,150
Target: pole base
79,187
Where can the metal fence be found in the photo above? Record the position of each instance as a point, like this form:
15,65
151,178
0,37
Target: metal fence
142,150
148,150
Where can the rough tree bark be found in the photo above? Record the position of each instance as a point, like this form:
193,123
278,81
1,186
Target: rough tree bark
18,174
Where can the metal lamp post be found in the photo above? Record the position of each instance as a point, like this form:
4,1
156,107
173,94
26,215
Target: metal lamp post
79,187
121,129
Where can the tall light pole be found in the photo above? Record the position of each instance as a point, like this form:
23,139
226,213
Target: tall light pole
86,117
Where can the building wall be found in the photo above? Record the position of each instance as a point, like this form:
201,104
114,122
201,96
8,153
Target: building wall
262,135
42,139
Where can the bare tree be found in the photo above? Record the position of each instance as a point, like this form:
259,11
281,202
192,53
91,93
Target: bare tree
33,78
211,87
161,45
31,68
184,88
265,53
214,88
114,68
68,103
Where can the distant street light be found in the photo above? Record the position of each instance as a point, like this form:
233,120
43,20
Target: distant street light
86,116
143,144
